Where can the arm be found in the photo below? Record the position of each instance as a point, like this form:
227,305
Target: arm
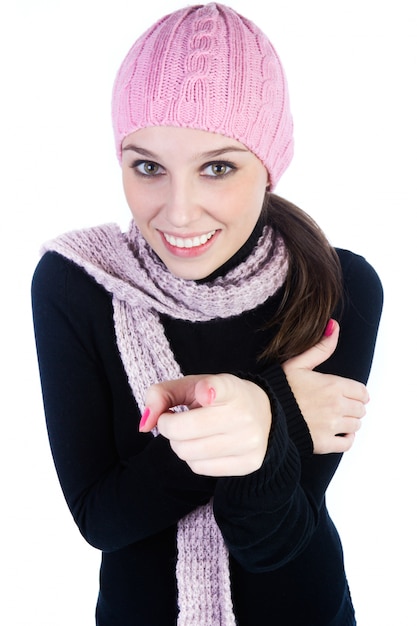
236,429
120,485
267,541
268,513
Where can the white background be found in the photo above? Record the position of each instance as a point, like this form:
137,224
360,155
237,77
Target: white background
351,68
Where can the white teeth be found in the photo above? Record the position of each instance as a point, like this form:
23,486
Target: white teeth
189,242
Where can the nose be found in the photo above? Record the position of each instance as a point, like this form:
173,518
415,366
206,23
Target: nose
181,206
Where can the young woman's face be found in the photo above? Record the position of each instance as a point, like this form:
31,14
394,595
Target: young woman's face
195,196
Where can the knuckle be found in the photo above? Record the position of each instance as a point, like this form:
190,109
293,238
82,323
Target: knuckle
253,463
365,393
336,403
335,425
320,447
348,441
200,468
178,449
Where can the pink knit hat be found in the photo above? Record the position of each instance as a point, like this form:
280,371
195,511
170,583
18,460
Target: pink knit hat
206,67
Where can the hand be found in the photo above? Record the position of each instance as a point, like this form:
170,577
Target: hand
225,431
331,405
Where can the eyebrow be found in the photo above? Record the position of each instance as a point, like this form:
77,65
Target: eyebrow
139,150
210,154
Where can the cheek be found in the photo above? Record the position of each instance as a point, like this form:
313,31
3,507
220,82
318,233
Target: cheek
127,186
250,194
136,198
248,203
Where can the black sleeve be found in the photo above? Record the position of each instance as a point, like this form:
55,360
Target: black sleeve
268,517
121,485
359,315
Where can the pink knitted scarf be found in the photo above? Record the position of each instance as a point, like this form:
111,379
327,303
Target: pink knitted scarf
142,288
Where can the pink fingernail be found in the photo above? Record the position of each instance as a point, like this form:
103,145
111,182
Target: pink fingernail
329,328
212,395
145,415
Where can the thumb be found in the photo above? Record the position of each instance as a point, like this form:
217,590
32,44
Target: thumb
215,389
319,353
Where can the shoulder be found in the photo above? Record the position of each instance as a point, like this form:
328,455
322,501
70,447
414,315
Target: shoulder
356,267
60,282
362,286
359,316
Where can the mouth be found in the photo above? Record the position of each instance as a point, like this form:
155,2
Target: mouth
188,242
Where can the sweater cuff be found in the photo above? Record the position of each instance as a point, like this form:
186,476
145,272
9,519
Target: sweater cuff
296,425
280,467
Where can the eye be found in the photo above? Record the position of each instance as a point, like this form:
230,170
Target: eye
218,169
148,168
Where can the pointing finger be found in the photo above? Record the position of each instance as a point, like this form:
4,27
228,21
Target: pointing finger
163,396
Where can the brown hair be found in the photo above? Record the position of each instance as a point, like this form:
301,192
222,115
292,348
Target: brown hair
313,288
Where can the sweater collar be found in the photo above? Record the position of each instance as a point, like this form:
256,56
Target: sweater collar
239,256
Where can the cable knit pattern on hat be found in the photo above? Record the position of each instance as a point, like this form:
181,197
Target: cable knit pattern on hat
142,288
207,68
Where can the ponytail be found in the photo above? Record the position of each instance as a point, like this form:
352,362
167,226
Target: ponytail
313,288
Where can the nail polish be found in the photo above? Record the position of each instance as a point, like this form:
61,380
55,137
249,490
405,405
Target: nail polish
144,418
329,328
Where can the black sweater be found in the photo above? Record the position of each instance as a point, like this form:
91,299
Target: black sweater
127,490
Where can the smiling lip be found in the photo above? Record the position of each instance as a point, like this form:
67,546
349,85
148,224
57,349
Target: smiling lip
188,246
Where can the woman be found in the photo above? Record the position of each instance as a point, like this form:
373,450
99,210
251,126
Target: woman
198,390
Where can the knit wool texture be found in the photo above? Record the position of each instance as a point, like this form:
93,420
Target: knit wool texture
142,288
207,68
